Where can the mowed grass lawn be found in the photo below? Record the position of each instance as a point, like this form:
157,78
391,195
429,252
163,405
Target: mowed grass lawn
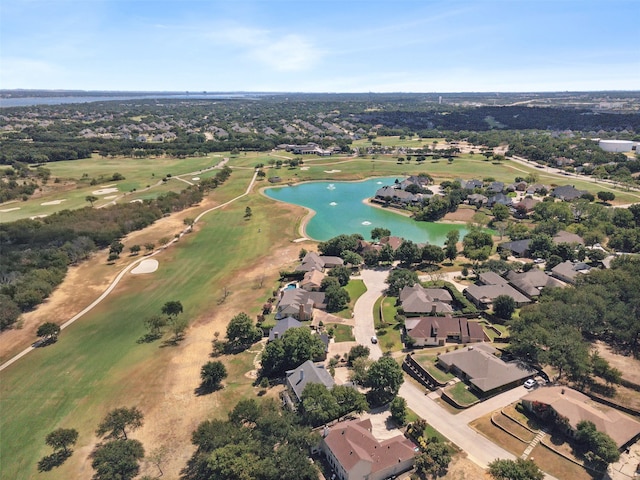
97,364
355,288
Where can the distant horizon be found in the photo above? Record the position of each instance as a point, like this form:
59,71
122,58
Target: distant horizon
216,92
320,46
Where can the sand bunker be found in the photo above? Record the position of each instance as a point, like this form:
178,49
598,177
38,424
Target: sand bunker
53,202
332,171
149,265
104,191
110,197
137,200
38,216
195,179
9,209
305,168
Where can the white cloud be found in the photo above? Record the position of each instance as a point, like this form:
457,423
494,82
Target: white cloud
290,52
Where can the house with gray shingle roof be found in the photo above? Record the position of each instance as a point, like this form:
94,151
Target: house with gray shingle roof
487,374
484,295
568,271
532,282
434,331
308,372
282,326
417,300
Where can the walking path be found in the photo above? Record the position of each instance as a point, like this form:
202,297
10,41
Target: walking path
537,439
127,269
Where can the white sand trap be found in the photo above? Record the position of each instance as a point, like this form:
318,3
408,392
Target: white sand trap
332,171
53,202
38,216
110,197
105,191
305,168
9,209
137,200
149,265
195,179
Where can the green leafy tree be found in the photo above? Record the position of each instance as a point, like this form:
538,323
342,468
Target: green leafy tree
378,232
432,254
541,246
91,199
9,312
117,460
400,278
518,469
477,245
62,439
241,332
341,273
606,196
135,249
384,377
118,421
386,254
247,212
172,308
398,409
349,400
116,248
356,352
408,253
337,298
318,405
296,346
451,247
600,447
336,245
359,369
212,374
434,460
352,258
48,331
155,324
504,306
500,212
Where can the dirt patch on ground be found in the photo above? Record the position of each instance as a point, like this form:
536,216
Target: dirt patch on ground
461,468
627,364
462,214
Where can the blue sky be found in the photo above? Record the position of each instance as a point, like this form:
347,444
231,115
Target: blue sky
321,45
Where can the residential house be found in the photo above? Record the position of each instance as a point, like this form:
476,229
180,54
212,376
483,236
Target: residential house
312,280
484,295
527,204
532,282
421,180
282,326
491,278
516,187
314,261
517,248
477,199
299,304
485,373
396,195
393,242
574,407
495,187
308,372
417,300
436,331
537,188
355,454
471,184
499,198
567,193
568,271
567,237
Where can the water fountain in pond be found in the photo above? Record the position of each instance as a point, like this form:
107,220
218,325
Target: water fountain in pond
366,223
333,204
331,186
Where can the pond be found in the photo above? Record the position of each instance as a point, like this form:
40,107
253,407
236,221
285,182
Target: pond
339,208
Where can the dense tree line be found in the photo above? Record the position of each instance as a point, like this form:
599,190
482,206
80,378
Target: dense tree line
559,329
37,252
257,441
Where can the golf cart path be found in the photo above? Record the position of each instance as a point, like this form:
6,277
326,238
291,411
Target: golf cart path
126,269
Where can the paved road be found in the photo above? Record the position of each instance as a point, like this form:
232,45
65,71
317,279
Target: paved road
364,327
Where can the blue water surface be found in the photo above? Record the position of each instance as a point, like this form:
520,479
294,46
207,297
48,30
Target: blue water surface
339,208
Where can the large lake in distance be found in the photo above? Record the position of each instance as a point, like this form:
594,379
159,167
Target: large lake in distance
340,209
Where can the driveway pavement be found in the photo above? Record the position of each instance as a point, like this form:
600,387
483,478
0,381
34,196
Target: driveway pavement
364,329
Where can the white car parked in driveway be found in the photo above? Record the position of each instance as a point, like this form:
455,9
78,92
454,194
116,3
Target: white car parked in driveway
530,383
374,339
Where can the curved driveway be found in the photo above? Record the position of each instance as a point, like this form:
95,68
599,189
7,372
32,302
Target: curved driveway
364,329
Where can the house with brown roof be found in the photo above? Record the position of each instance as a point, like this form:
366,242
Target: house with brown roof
567,237
417,300
436,331
478,366
562,402
355,454
299,304
314,261
312,280
393,242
